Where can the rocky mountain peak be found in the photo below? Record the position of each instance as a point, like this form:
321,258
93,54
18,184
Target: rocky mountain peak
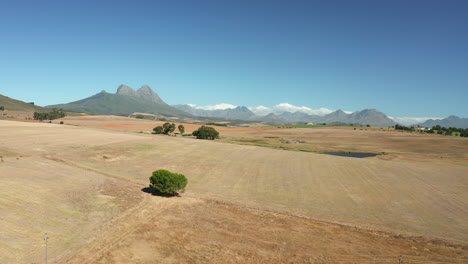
145,92
125,90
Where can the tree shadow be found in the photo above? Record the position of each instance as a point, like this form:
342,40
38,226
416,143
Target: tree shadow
156,193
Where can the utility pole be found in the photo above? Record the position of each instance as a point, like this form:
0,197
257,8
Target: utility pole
45,239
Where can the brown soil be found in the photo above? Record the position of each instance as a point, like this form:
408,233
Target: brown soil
133,124
188,230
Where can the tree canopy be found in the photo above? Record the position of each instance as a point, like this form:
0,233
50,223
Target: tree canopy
54,114
205,132
158,130
168,128
167,183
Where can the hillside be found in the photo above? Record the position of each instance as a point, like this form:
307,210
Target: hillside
17,105
451,121
125,102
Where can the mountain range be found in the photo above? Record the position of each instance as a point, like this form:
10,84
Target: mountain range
451,121
364,117
127,101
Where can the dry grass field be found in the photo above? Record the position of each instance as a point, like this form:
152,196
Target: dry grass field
244,204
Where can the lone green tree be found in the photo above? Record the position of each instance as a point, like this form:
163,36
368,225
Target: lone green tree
158,130
167,183
181,129
205,132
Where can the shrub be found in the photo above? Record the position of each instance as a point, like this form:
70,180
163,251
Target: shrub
139,116
2,108
187,135
61,122
205,132
167,183
158,130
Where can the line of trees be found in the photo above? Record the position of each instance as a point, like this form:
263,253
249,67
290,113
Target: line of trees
204,132
54,114
168,128
400,127
449,131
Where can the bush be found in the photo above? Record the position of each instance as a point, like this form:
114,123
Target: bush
167,183
205,132
61,122
158,130
139,116
2,108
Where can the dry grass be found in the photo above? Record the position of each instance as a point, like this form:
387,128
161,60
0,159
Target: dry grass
88,181
188,230
396,145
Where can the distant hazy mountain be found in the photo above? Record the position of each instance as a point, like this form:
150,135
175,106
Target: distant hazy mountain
238,113
17,105
125,102
370,116
451,121
364,117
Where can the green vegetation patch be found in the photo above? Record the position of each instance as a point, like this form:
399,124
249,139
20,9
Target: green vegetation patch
216,124
166,183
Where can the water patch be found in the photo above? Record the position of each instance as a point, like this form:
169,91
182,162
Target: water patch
352,155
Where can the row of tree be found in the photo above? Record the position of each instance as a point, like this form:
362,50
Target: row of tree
204,132
54,114
449,131
400,127
168,128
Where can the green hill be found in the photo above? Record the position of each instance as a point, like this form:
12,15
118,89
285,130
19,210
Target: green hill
105,103
17,105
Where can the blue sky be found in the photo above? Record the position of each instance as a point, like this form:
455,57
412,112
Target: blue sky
404,58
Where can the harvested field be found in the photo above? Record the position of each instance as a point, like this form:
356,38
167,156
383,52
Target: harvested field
44,161
189,230
395,145
133,124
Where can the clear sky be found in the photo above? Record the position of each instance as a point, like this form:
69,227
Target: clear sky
404,58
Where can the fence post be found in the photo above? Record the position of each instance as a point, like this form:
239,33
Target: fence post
401,260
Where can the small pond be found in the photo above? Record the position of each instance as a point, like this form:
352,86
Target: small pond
352,155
